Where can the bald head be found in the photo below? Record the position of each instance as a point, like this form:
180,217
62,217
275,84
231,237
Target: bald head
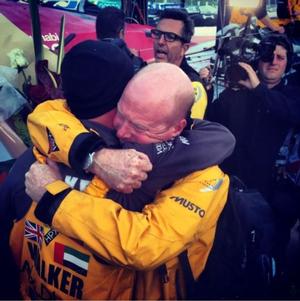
161,87
159,96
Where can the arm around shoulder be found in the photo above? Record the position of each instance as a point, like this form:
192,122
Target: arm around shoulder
59,135
145,240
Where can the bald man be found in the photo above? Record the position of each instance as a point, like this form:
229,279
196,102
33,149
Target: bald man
160,114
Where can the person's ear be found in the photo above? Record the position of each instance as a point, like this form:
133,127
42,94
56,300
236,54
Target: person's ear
185,47
179,127
122,34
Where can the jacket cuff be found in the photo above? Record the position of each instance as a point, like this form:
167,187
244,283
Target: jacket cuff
84,144
259,90
51,200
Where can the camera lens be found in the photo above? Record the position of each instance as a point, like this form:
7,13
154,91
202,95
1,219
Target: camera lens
266,53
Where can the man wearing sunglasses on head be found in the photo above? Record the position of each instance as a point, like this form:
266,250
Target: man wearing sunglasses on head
172,37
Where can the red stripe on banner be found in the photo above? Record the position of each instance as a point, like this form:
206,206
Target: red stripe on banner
59,253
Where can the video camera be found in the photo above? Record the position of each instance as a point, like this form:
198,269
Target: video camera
235,45
248,48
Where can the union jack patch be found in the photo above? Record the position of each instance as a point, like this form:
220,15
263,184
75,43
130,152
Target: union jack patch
34,232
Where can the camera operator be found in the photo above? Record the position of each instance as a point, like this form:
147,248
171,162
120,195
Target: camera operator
260,114
239,15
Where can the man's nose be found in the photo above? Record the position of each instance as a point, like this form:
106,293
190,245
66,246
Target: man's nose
123,131
275,60
162,40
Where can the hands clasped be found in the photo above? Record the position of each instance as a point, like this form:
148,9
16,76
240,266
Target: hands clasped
39,176
122,170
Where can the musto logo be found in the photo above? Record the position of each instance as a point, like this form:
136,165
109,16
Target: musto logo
189,205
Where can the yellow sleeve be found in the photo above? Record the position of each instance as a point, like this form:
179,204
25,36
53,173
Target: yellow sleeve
53,128
178,216
200,104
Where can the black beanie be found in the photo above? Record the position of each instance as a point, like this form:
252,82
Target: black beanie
94,75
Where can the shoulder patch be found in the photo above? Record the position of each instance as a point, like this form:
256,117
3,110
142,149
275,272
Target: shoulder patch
34,232
52,144
71,258
211,185
50,235
65,127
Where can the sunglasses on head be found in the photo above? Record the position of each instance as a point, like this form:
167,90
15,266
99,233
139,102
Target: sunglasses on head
168,36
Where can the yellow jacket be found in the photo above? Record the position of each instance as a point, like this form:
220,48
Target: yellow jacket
181,217
182,214
53,266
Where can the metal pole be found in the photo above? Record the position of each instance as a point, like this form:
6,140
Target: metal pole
61,47
36,30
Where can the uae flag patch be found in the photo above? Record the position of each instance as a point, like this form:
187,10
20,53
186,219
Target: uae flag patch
71,258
